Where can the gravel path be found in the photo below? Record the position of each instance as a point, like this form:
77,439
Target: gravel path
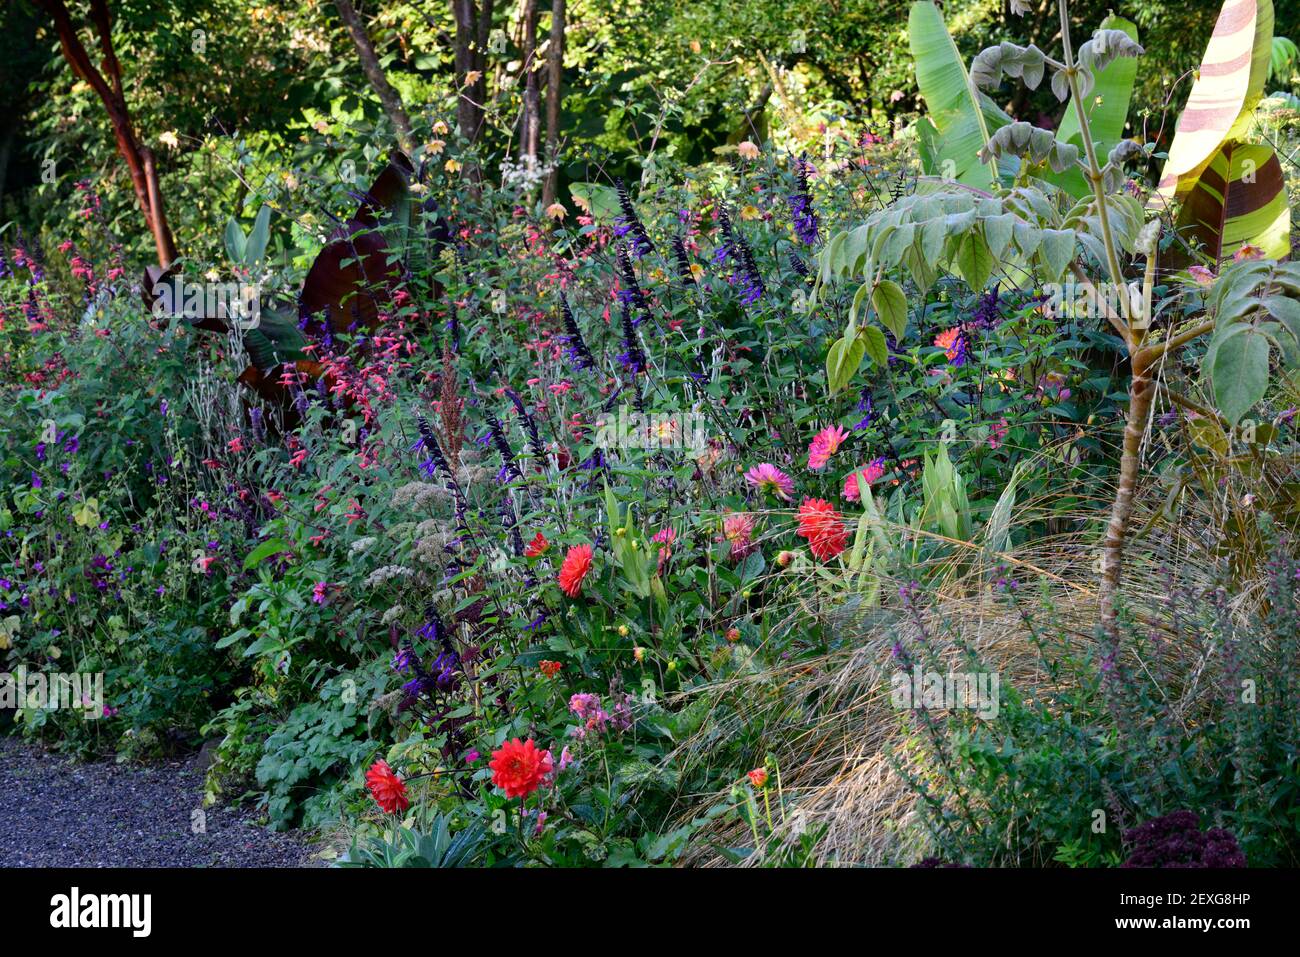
56,812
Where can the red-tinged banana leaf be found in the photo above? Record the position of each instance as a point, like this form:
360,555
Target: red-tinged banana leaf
1239,198
353,276
1229,85
268,384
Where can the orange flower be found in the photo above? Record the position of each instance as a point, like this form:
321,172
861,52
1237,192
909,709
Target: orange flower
549,668
758,777
519,768
823,526
537,546
387,788
576,565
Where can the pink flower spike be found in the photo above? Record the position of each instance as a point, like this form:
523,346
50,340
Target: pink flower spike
766,477
825,444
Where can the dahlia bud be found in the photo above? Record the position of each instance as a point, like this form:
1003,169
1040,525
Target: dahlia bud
758,777
733,635
622,631
638,653
785,558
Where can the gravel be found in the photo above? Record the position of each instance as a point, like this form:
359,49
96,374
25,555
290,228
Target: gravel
57,812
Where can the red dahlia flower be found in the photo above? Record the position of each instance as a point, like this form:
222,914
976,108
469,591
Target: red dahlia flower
576,565
537,546
387,788
823,526
518,767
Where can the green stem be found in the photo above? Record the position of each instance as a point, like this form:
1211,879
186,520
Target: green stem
1094,170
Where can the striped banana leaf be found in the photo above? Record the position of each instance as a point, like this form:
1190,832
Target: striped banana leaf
1239,198
1230,84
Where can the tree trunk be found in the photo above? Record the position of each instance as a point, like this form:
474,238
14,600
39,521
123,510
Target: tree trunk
473,26
554,103
530,121
1141,392
389,98
138,158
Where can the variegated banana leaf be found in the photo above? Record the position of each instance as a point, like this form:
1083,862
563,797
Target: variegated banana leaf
1239,198
1229,85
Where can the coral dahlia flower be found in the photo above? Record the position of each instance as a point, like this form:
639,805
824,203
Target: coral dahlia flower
577,563
738,528
825,444
871,473
537,546
823,526
387,788
519,767
766,477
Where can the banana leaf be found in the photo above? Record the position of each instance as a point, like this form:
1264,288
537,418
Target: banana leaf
1107,108
1239,198
1228,87
961,119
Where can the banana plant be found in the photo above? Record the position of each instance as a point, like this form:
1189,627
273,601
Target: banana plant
1232,191
344,290
962,119
1251,314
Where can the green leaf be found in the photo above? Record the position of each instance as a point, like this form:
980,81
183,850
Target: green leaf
235,241
891,305
1055,252
1106,107
600,201
842,361
1240,373
876,346
255,250
272,546
973,259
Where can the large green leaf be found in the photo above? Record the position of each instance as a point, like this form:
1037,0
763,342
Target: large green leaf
950,99
842,361
1240,372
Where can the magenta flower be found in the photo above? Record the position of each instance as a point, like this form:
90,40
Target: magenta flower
825,444
871,473
766,477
